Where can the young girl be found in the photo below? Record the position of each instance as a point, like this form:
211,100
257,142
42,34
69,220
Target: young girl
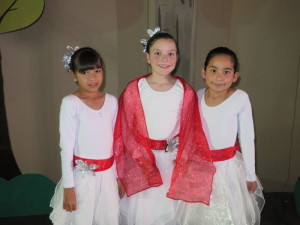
227,116
87,193
161,151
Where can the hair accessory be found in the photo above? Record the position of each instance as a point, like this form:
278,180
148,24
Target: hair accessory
150,33
67,57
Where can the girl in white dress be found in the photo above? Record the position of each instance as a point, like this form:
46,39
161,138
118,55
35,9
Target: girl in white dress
87,194
159,157
226,116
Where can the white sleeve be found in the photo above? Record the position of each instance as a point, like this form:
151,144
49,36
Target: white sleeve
246,137
115,111
67,129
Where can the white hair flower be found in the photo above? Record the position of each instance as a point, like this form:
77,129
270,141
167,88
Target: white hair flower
150,33
67,57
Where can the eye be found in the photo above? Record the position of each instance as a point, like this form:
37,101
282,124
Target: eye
84,72
172,54
227,72
156,53
99,71
213,70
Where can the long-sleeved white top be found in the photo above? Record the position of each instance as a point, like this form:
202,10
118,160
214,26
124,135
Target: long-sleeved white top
85,132
226,122
162,109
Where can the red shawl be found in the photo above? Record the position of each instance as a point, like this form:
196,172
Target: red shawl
136,167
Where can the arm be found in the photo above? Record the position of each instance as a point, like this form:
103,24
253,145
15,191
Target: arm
120,185
69,202
246,139
67,128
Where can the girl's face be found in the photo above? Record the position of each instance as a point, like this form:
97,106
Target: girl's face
219,73
89,80
162,57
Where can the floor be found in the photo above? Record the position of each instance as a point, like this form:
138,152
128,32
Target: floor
280,209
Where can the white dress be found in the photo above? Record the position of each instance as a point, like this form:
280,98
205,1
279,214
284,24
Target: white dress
231,203
87,133
162,112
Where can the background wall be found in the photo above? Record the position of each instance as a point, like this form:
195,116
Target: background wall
264,33
35,80
266,36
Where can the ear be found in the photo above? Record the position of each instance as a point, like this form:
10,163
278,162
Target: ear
236,76
73,76
203,73
148,58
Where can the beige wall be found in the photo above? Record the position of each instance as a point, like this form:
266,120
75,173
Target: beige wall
132,25
35,80
266,36
264,33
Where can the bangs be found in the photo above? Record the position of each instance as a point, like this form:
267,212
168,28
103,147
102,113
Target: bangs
88,61
86,67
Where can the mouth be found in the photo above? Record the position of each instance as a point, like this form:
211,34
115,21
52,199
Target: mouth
219,85
93,85
163,66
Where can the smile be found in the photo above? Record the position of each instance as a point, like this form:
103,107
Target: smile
93,85
164,66
219,85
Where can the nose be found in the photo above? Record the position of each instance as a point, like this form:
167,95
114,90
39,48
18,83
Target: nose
91,76
220,76
164,57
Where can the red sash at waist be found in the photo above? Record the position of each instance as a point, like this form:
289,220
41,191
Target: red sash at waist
159,144
103,164
225,153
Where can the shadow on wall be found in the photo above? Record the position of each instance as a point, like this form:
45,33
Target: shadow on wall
136,7
216,16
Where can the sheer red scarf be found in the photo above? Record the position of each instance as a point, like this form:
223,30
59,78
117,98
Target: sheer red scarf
136,167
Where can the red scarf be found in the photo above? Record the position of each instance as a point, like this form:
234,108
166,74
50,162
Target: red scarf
192,176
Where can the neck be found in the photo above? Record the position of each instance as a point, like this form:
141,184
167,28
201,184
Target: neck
159,79
218,94
85,94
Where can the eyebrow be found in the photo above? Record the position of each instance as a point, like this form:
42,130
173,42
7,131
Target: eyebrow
172,50
217,68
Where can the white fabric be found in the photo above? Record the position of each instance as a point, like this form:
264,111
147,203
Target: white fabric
162,111
231,203
87,133
225,122
97,200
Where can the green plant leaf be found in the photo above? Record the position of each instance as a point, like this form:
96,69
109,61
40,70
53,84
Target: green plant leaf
19,14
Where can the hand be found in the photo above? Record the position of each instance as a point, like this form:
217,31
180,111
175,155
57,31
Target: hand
121,188
69,203
251,185
174,162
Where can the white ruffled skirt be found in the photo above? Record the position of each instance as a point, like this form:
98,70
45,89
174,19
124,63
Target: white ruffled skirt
151,206
97,200
231,203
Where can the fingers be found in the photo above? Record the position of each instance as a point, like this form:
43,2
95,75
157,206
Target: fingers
174,162
121,192
121,188
251,186
69,203
69,207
